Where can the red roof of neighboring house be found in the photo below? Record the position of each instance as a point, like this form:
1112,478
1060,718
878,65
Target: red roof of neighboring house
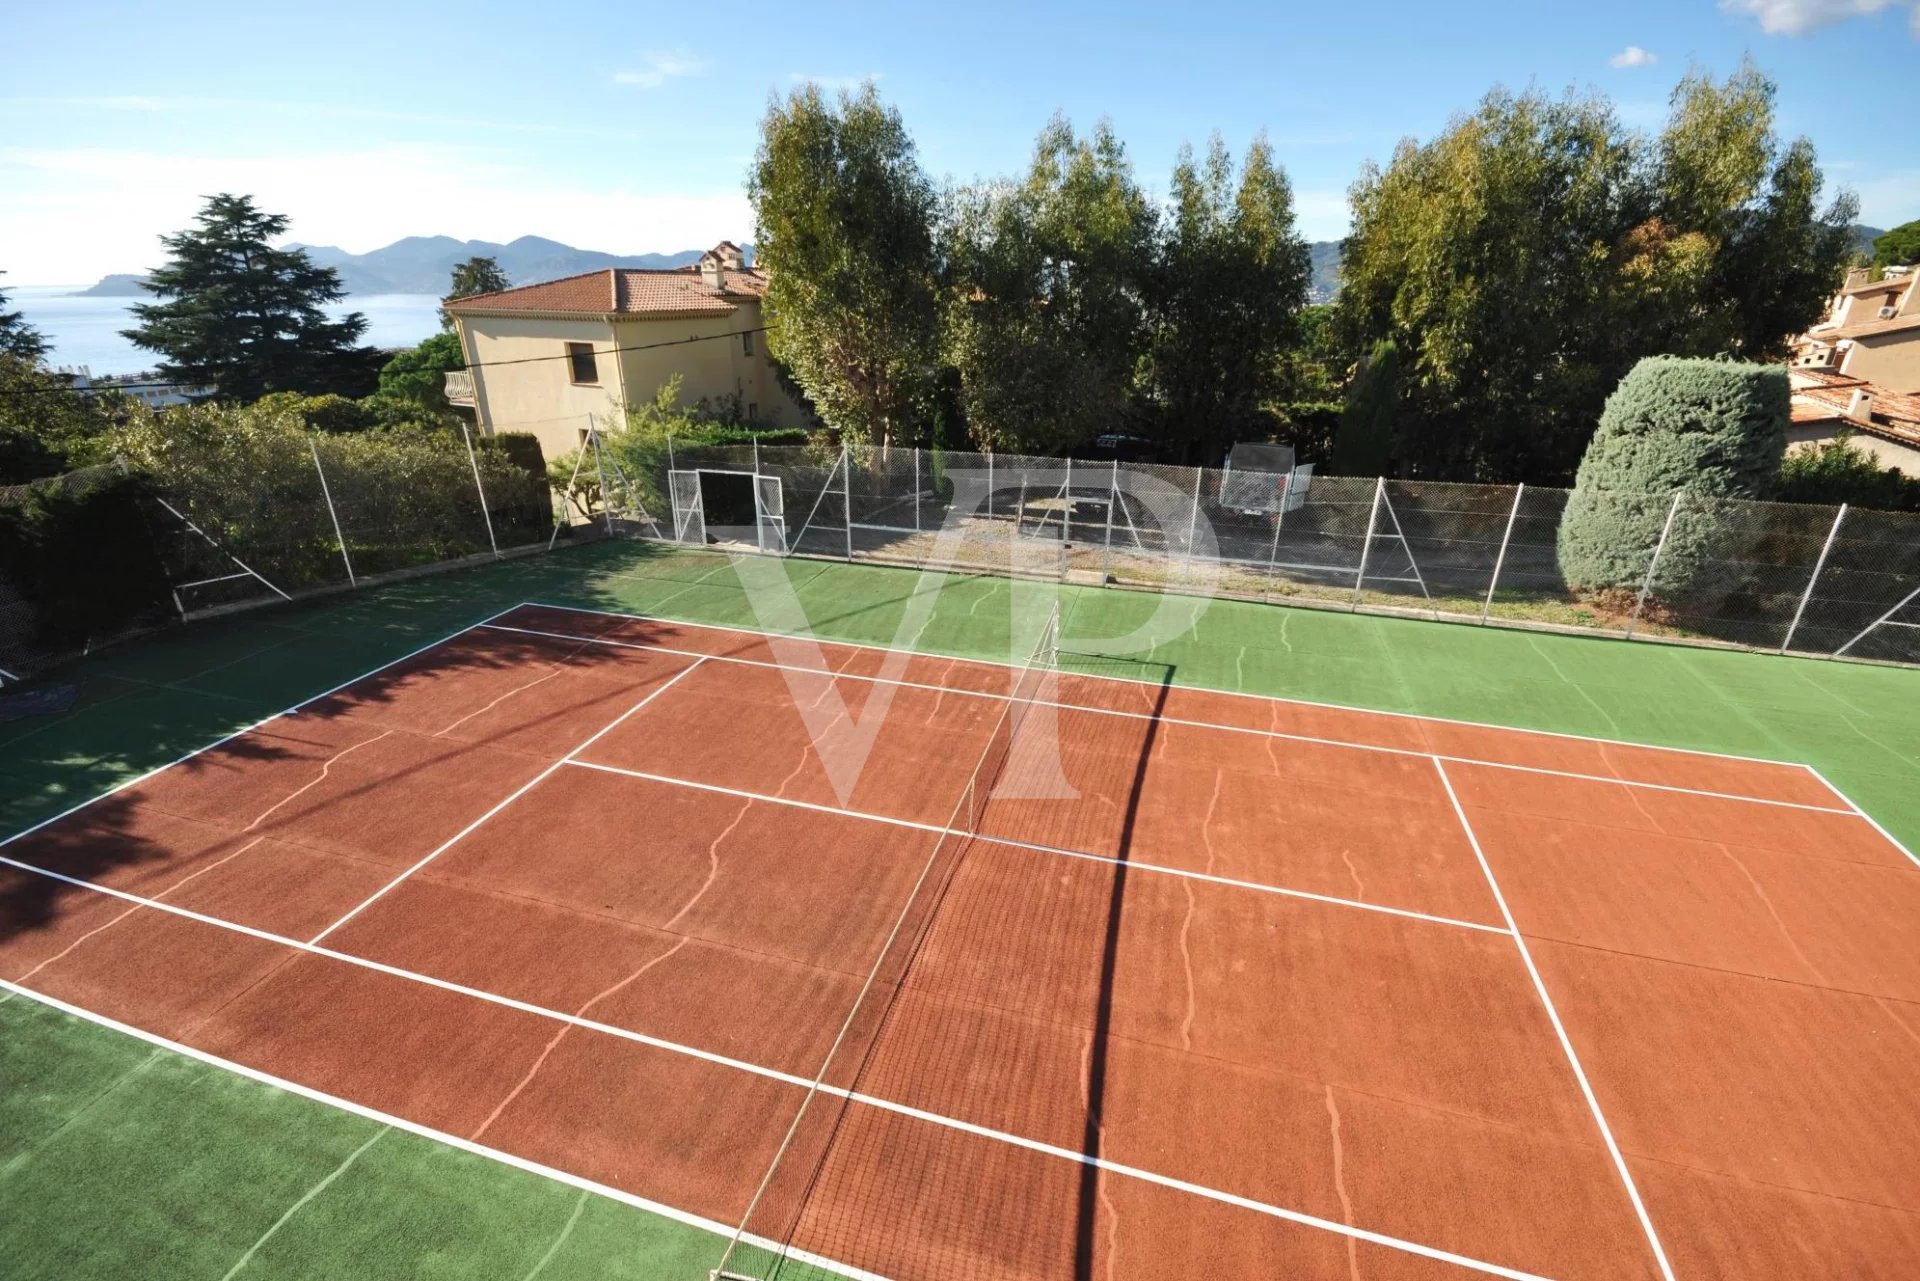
1825,397
625,291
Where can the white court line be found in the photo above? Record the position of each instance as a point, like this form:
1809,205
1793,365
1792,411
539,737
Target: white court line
1057,850
1413,753
1202,689
1891,838
124,784
439,1136
1566,1044
517,793
738,1064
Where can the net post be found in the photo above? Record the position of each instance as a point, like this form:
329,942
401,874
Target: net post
1493,584
1826,549
1366,550
1106,544
1646,584
332,514
600,470
473,460
846,495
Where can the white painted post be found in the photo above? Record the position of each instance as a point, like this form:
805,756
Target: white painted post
1905,601
1501,560
846,496
566,496
1818,565
1106,545
606,498
327,494
916,489
1273,550
1366,551
1646,584
989,484
473,460
1193,520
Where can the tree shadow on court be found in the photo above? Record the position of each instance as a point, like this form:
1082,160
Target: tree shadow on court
102,842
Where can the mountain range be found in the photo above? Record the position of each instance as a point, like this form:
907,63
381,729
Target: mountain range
422,264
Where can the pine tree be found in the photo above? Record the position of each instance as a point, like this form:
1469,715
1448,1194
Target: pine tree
17,337
246,318
470,278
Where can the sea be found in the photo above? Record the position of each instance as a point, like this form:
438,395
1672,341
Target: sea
86,331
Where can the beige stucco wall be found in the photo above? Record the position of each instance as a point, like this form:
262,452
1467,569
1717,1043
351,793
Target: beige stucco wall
1886,452
1887,360
540,396
716,370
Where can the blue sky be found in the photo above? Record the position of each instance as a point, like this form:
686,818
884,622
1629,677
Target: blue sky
628,126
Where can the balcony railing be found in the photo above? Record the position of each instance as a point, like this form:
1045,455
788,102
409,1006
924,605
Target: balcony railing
460,388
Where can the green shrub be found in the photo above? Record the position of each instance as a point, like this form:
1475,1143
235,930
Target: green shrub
1364,443
1709,427
1836,472
78,551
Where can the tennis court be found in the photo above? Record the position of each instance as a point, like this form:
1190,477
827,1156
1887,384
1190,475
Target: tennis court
1041,973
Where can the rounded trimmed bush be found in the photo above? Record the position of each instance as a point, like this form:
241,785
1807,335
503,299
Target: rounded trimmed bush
1713,428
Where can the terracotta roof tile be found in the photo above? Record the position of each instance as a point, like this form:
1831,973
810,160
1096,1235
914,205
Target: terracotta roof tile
1896,415
625,291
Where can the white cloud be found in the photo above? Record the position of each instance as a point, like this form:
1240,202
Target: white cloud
661,65
1633,56
844,84
80,213
1800,17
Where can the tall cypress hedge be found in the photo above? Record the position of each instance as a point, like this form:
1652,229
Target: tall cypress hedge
1713,428
1363,445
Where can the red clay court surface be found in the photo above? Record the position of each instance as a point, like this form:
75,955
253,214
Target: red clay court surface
1283,990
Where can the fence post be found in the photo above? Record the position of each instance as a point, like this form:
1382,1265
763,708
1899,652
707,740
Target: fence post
473,460
1193,520
606,498
989,483
1366,550
1646,584
669,450
1113,496
327,494
846,495
916,489
1905,601
1273,549
1818,565
566,496
1501,560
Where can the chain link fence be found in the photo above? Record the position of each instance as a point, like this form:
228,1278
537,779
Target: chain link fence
227,522
1751,575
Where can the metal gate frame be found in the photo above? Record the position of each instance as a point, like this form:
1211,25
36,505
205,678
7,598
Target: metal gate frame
690,514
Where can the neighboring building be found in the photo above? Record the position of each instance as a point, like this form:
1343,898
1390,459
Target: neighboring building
1884,424
146,388
585,330
1872,331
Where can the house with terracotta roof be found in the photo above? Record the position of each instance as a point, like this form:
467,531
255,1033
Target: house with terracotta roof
543,357
1871,332
1882,423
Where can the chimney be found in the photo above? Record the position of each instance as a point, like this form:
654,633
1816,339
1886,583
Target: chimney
1860,407
730,256
1857,276
712,273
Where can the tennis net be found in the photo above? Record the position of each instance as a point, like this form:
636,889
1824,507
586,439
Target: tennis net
764,1245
